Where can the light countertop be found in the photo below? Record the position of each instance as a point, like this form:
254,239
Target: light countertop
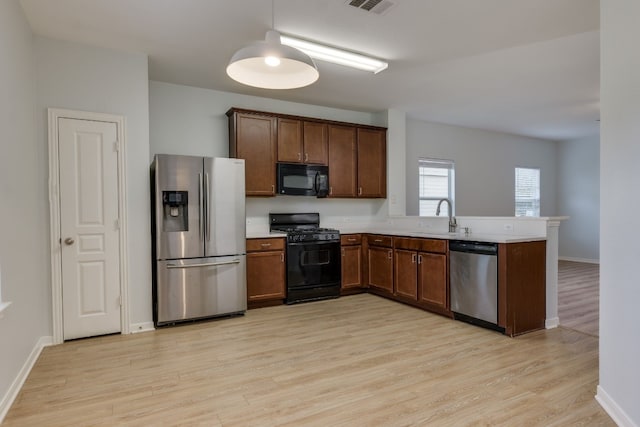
475,237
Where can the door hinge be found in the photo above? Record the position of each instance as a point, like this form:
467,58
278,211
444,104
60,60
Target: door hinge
116,146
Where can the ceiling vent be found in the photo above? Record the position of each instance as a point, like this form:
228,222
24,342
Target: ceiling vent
378,7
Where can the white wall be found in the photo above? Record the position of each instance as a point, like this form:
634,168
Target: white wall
579,198
619,389
79,77
484,167
24,258
192,121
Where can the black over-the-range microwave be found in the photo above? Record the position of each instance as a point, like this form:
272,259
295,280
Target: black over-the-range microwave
303,180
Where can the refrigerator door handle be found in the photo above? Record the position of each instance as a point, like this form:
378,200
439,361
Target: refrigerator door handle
206,264
201,222
207,207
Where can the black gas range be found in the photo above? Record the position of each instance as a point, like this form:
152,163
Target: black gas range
313,257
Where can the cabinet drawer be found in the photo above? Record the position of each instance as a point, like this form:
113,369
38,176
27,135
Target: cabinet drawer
270,244
350,239
434,245
378,240
422,245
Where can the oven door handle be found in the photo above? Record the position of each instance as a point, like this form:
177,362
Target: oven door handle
316,242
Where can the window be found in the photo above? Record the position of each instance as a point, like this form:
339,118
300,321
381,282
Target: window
436,183
527,192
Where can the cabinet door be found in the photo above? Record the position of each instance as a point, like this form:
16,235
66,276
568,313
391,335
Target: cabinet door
406,274
432,271
256,144
381,268
342,161
315,136
372,163
351,266
265,275
290,141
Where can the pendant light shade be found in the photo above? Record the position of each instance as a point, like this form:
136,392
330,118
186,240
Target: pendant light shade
271,65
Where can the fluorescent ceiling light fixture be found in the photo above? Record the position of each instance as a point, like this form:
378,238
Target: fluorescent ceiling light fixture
336,56
269,64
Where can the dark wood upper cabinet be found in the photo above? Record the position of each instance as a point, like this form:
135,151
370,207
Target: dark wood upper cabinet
252,137
355,154
372,163
302,142
290,141
315,143
342,161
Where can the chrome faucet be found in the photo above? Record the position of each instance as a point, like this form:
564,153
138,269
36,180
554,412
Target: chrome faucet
453,224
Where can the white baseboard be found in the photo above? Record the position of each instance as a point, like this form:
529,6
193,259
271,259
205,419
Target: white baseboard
136,328
554,322
14,389
585,260
611,407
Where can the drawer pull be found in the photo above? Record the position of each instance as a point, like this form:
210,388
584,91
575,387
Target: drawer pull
351,239
378,240
265,245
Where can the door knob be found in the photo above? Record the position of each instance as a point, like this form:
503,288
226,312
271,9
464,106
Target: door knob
69,241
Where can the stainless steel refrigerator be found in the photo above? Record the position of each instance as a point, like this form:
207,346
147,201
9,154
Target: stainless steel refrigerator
198,231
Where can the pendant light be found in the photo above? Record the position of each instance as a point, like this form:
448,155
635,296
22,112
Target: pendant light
269,64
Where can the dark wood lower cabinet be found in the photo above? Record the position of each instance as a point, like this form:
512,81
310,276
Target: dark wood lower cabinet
406,274
266,272
351,267
432,271
522,286
380,268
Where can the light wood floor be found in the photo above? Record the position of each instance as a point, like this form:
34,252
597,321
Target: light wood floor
579,296
355,361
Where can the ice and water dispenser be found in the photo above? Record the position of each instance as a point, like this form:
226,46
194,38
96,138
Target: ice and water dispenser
176,210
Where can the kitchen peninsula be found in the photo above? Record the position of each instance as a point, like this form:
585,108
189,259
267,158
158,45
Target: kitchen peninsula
382,258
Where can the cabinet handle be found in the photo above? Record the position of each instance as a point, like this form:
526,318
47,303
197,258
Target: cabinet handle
306,157
390,255
413,258
265,245
282,257
299,157
330,191
419,259
359,191
342,251
273,189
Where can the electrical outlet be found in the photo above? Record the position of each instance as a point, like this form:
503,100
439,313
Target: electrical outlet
508,227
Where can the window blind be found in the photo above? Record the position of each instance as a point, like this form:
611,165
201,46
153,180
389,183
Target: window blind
527,192
435,183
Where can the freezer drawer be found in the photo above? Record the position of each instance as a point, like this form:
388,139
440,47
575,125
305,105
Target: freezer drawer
199,288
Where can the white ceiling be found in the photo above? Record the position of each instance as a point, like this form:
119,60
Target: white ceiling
528,67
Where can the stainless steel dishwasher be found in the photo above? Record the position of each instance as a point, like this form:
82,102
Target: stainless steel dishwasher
473,277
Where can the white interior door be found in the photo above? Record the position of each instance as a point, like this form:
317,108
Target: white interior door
88,176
